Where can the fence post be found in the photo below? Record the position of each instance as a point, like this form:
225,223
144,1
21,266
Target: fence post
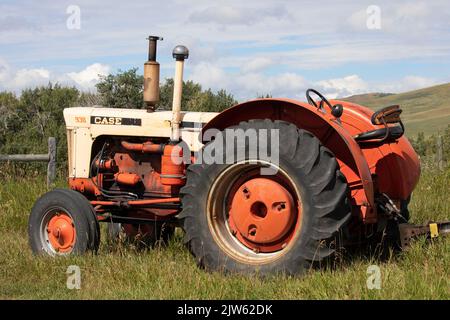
439,153
51,168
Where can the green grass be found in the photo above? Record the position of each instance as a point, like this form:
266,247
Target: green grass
425,110
121,272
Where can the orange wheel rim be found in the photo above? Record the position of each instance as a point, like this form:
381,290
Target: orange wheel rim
263,214
61,232
254,218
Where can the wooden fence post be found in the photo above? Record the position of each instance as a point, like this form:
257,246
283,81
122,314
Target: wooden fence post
439,153
51,168
50,157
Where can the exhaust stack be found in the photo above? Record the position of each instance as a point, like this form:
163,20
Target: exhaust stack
180,53
151,75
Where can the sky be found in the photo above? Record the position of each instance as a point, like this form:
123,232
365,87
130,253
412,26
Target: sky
249,48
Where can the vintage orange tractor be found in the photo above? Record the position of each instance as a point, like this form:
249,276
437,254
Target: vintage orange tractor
269,185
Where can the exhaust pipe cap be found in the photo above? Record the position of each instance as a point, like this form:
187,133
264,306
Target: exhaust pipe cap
180,53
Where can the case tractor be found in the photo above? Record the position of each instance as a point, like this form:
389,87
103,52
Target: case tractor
269,185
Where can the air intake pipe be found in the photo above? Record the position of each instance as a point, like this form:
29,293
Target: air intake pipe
151,75
180,53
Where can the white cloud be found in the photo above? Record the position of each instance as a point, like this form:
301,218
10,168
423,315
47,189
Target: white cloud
219,14
88,77
252,47
281,85
305,34
247,85
17,80
407,83
343,87
209,75
257,64
357,20
26,78
238,15
353,84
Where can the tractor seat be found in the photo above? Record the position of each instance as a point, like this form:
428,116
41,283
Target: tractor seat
393,134
384,116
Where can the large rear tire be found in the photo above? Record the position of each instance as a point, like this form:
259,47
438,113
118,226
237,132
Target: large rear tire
237,220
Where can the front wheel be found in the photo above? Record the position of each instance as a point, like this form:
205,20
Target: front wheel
237,219
63,222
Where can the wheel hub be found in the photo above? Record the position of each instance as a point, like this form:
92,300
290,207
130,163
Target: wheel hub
61,232
262,214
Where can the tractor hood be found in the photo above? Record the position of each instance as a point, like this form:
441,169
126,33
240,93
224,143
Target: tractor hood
84,125
134,122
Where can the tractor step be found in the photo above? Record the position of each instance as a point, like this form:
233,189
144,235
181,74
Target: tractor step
431,230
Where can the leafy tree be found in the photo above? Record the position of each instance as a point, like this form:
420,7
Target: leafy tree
190,90
9,116
419,144
194,98
122,90
38,114
88,99
125,90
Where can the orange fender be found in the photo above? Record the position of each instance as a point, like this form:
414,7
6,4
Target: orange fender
327,129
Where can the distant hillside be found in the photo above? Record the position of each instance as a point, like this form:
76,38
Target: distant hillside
426,110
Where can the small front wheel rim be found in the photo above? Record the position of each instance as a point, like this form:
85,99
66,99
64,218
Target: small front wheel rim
57,232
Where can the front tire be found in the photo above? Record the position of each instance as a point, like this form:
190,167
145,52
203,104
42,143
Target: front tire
63,222
236,220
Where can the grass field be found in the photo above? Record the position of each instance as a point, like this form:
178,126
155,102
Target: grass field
425,110
122,272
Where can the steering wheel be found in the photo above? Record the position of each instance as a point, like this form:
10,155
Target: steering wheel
322,99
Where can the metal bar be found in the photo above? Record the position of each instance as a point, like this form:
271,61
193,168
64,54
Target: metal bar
153,201
143,202
408,232
134,220
104,203
25,157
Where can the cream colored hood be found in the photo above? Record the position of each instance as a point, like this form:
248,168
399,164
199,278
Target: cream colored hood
108,121
86,124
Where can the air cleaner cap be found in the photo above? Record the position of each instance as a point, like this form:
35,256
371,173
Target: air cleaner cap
155,38
180,53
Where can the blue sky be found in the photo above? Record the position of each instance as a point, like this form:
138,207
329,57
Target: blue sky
249,48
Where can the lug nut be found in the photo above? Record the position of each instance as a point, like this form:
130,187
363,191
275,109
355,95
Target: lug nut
246,193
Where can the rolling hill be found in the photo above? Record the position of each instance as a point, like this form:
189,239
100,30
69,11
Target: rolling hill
425,110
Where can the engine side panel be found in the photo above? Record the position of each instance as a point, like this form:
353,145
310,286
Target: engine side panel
85,125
